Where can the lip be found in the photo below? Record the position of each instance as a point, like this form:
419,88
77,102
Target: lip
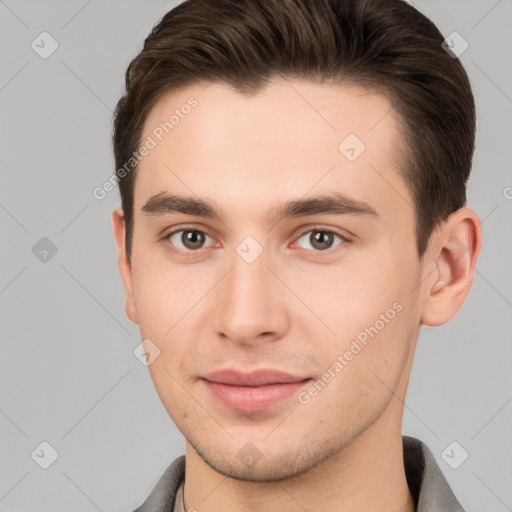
255,391
260,377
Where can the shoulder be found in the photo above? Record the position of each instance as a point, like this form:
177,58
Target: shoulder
427,484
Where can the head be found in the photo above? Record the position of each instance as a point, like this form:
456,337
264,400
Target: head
271,123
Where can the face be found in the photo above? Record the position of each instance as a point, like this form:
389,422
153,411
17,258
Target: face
295,253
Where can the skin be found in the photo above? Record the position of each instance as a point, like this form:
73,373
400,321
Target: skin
296,307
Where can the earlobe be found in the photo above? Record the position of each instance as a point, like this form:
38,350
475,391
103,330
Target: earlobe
455,249
123,263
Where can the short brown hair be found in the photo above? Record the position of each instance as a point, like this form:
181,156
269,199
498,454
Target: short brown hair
383,43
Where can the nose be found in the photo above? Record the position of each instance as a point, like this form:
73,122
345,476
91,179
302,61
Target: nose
251,303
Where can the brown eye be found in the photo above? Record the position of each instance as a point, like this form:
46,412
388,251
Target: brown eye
321,239
188,239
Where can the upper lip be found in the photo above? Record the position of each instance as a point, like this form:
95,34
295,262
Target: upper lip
259,377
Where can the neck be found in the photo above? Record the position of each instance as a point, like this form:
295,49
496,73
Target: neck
366,475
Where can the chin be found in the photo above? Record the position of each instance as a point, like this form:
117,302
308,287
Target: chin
252,465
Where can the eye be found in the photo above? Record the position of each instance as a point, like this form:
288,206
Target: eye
322,239
188,240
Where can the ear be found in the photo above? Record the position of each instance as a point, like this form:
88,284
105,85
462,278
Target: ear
453,250
125,268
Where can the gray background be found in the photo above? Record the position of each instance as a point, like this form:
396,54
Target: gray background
68,375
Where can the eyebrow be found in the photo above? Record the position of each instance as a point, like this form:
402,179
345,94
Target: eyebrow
335,204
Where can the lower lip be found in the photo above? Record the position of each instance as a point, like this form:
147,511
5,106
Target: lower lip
253,398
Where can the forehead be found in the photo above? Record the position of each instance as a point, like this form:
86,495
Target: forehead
292,138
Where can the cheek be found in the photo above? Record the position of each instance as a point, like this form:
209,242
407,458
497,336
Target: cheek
361,373
373,315
356,296
166,293
170,308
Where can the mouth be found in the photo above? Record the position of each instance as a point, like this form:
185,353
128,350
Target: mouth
252,392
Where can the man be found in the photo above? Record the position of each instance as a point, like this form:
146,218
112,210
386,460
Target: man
293,178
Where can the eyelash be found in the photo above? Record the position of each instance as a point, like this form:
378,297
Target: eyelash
344,239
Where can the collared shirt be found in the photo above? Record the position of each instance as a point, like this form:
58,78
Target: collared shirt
429,488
